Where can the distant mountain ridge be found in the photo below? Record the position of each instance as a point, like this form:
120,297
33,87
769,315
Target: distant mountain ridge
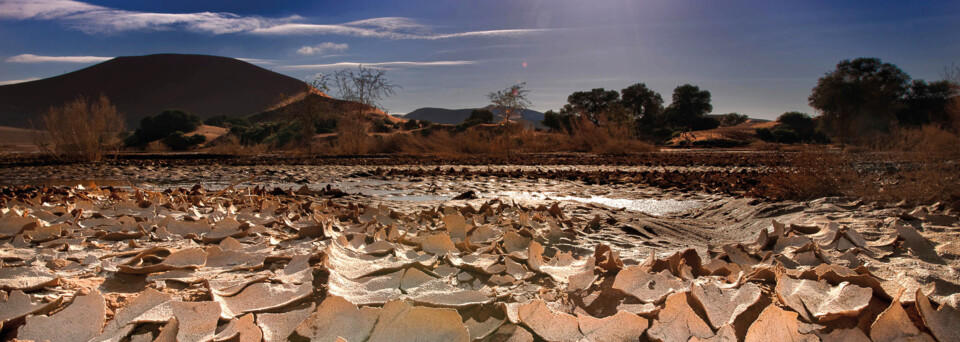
146,85
456,116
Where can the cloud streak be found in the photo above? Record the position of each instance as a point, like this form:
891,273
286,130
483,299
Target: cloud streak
321,49
379,64
18,81
28,58
94,19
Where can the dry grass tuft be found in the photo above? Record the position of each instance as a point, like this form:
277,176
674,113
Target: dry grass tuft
83,131
916,166
605,138
230,145
352,138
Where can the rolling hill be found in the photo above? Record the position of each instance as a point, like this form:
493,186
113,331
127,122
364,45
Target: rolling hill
456,116
146,85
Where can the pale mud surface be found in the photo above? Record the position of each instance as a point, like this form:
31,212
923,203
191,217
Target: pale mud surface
395,254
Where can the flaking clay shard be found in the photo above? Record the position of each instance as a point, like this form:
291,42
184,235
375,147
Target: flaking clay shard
375,289
228,260
723,305
549,325
510,333
248,329
817,300
623,326
353,265
438,293
738,256
229,284
944,322
514,243
645,286
482,321
11,224
917,244
168,333
185,228
643,309
336,317
227,332
150,306
81,320
297,271
776,324
893,324
845,335
535,256
456,226
197,320
279,326
400,321
484,263
678,322
192,258
19,305
413,278
438,244
261,297
26,278
725,334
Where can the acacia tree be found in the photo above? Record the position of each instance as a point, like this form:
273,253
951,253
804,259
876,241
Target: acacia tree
859,98
689,105
362,90
510,103
644,104
593,105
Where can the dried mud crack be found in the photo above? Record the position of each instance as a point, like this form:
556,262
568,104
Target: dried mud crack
300,263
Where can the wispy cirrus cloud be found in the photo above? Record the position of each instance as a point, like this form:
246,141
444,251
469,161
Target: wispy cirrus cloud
18,81
392,64
94,19
322,48
256,60
28,58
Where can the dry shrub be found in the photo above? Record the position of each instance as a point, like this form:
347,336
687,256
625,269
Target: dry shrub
230,145
83,131
605,138
911,165
441,142
156,146
928,165
760,145
352,138
814,172
538,142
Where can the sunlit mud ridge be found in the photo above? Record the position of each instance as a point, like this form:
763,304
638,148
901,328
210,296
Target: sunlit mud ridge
251,264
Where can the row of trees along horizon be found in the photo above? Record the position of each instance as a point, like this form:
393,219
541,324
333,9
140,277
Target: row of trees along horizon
858,102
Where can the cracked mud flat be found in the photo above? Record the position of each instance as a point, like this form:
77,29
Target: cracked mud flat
393,257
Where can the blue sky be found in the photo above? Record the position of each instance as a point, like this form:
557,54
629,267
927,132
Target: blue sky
760,58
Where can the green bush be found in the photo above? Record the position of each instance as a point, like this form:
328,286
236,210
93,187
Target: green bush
705,123
227,121
285,134
326,126
765,134
382,126
178,141
158,127
411,125
785,135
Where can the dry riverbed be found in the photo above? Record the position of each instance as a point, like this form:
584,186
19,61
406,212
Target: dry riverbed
394,253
